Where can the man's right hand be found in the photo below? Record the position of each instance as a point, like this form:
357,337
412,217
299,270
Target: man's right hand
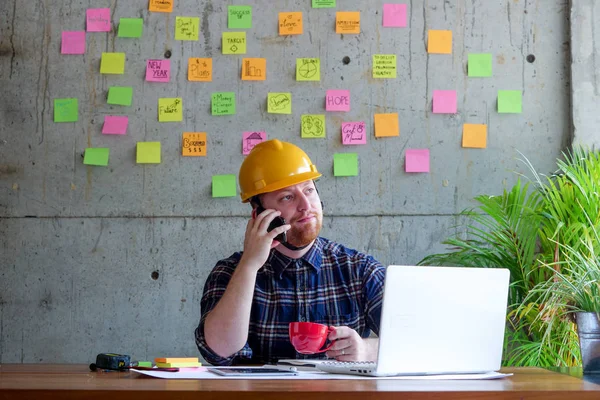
258,242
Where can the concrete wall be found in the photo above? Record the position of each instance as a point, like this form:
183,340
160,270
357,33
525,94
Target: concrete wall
114,259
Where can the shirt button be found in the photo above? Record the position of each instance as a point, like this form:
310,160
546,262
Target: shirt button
302,319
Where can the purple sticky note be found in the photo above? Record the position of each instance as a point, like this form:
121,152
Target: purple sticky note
417,160
251,139
73,42
354,133
337,100
444,101
158,70
98,19
394,15
115,125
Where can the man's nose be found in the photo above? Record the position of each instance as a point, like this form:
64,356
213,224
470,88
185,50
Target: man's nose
303,202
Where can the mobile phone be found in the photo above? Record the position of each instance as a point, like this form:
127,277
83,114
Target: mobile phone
251,371
277,221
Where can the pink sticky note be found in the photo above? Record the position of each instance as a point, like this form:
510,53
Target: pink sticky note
444,101
73,42
158,70
394,15
337,100
417,160
354,133
98,19
115,125
251,139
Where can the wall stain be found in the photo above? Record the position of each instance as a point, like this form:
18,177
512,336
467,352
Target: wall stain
208,10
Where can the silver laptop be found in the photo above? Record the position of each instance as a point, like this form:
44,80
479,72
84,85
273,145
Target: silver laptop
437,320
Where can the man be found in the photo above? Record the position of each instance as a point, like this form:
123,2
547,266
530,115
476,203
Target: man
251,297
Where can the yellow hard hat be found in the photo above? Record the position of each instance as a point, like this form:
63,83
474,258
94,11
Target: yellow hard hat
274,165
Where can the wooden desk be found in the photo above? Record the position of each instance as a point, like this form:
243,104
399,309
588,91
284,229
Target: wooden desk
46,381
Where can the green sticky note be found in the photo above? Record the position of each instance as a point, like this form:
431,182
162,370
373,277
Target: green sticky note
510,101
187,28
308,69
223,186
239,17
120,95
144,364
323,3
148,153
131,27
480,65
66,110
170,109
313,126
234,43
345,164
96,156
223,103
279,103
112,63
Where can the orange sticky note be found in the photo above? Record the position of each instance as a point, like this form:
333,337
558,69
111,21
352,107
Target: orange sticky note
161,5
290,23
254,69
193,144
200,69
347,22
475,136
387,125
439,42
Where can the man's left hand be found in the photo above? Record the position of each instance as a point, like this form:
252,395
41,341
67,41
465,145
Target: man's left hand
349,346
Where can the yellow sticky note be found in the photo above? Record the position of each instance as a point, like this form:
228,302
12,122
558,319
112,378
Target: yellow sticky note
439,42
279,103
161,5
148,153
475,136
193,144
384,66
200,69
347,22
187,28
112,63
170,110
234,43
308,69
290,23
387,125
254,69
313,126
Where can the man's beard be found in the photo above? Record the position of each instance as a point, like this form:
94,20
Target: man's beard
303,236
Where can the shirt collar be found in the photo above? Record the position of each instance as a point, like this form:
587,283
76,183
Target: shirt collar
313,257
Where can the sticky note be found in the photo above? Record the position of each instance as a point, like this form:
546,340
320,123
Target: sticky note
73,42
308,69
417,160
115,125
439,42
193,144
444,102
170,109
279,103
387,125
510,101
96,156
223,103
161,5
224,186
313,126
148,153
345,164
337,100
200,69
347,22
66,110
290,23
254,69
187,28
323,3
131,27
158,70
251,139
98,19
239,17
394,15
354,133
144,364
112,63
384,66
234,43
475,136
479,65
120,95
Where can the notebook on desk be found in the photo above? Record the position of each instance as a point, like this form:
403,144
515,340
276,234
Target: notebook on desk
437,320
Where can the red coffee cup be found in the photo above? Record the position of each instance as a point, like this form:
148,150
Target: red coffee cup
309,337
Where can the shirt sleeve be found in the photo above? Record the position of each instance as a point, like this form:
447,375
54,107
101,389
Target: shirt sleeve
215,286
373,280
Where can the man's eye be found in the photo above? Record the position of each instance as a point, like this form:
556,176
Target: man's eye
286,198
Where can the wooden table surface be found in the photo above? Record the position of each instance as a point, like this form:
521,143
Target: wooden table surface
54,381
